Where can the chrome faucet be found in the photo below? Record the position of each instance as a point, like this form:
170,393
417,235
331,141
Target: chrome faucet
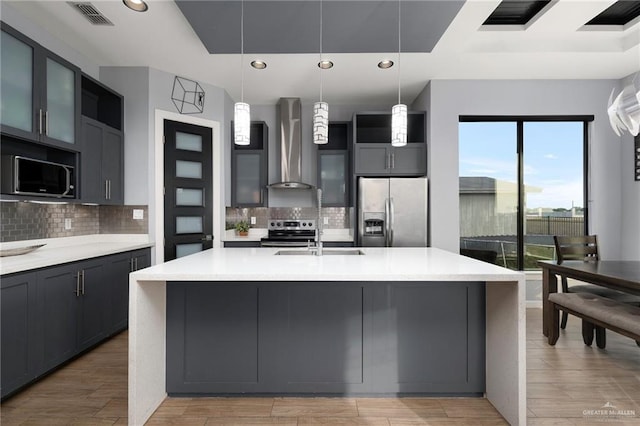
317,248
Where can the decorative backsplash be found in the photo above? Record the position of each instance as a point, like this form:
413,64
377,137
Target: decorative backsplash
28,221
339,217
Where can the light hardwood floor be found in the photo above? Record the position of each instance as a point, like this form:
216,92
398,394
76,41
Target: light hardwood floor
564,383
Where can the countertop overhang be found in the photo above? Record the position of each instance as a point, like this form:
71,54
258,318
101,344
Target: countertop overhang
377,264
69,249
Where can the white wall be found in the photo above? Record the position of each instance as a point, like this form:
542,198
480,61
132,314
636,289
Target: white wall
630,191
446,100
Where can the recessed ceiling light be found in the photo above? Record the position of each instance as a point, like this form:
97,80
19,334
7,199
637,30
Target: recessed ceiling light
387,63
325,65
137,5
258,64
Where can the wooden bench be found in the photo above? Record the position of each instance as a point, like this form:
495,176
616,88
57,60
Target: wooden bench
597,313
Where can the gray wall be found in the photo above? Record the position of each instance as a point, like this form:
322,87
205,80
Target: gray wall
133,84
446,100
13,17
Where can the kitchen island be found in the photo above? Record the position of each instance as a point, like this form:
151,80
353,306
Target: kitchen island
389,308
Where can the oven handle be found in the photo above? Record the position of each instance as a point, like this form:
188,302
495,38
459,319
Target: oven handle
283,244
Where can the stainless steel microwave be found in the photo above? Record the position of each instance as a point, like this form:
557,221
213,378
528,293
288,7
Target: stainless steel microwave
28,176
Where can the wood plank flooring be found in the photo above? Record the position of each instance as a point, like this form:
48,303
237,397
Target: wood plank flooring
566,385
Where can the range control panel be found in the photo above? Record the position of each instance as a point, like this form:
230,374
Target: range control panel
291,225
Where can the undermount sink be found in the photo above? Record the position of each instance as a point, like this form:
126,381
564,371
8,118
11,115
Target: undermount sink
325,252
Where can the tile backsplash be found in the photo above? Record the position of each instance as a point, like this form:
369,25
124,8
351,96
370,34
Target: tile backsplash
339,217
29,221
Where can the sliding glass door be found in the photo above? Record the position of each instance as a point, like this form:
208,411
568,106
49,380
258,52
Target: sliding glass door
522,180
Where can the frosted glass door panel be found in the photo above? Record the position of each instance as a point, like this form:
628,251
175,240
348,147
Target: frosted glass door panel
188,142
187,249
188,224
188,197
248,179
332,178
188,169
17,83
60,102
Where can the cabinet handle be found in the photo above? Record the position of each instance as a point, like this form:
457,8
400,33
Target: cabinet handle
387,159
131,265
106,189
109,186
77,292
46,123
393,160
40,121
83,282
136,262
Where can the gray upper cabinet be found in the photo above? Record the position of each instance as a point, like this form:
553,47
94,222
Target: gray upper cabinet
102,148
334,160
40,93
249,168
374,155
102,163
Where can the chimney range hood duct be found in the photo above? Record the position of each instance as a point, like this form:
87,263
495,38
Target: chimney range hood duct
289,122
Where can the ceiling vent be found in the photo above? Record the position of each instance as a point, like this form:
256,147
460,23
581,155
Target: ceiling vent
90,12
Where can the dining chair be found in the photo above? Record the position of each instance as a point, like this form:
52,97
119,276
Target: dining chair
585,248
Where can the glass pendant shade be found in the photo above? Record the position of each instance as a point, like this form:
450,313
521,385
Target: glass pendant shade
399,125
241,123
320,123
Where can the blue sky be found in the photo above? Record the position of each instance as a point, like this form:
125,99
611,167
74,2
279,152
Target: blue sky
553,155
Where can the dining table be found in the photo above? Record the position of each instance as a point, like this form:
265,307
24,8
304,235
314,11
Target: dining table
622,275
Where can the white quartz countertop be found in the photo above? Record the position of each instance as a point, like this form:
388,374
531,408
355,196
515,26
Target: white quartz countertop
377,264
255,234
69,249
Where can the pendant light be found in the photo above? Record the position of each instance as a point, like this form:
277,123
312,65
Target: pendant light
399,111
241,110
321,109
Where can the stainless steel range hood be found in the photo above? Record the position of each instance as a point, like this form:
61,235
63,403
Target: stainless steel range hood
289,122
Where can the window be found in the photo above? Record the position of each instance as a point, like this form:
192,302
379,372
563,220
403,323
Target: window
522,180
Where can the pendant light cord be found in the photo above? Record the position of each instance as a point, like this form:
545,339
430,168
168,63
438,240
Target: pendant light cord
242,51
399,47
320,64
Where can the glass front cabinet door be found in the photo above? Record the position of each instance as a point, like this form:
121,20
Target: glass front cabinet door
40,92
18,94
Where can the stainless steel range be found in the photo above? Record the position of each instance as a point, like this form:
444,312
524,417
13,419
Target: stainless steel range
289,233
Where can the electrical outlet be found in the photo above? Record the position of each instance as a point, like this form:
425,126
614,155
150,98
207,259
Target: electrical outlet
253,220
325,220
67,224
138,214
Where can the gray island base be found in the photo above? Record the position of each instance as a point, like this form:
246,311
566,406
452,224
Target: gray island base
391,322
341,338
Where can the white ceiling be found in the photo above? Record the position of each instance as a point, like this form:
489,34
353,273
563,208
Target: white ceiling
553,46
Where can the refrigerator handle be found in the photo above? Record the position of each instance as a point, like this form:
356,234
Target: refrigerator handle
392,217
387,226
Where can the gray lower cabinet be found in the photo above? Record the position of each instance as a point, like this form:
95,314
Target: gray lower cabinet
326,337
93,312
53,314
58,314
18,328
117,272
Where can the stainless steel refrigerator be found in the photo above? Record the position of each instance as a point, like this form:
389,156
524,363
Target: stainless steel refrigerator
392,212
